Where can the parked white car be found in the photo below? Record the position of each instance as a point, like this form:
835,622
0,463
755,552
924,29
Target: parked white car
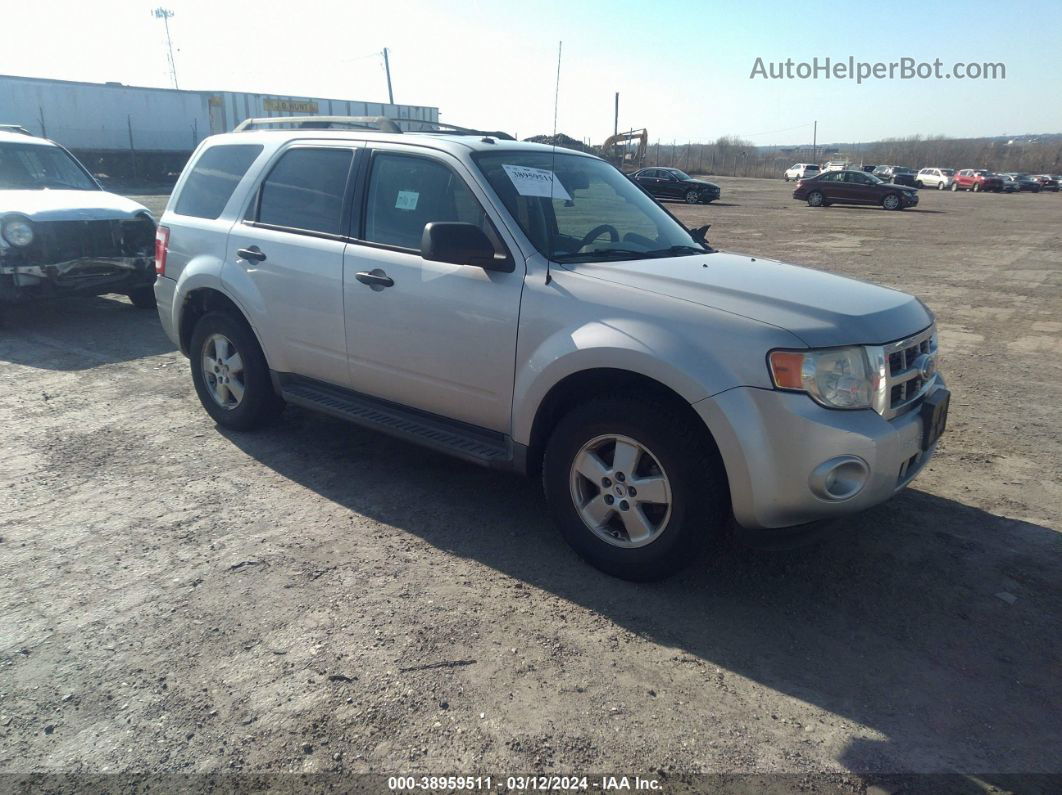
61,233
800,171
836,165
939,178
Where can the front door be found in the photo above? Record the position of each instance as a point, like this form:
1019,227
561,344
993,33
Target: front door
440,337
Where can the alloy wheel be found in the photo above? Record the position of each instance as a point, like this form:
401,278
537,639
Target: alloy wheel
223,371
620,491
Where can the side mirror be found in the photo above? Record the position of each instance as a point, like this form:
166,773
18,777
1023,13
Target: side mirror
461,244
700,234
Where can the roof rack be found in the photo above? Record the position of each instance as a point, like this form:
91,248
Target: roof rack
381,123
16,128
378,123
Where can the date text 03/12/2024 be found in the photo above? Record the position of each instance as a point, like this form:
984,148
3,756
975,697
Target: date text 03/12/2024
523,783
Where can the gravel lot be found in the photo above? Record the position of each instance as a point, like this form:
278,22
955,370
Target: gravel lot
316,597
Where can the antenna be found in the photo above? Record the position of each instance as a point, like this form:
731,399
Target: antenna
553,163
556,90
164,14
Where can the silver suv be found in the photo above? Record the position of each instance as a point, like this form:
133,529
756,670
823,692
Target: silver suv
529,308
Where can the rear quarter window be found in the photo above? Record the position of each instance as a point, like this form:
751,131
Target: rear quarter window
213,178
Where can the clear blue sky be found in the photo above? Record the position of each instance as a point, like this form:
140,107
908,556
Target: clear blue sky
682,68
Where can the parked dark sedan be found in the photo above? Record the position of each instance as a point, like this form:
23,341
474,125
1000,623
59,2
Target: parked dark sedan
1047,182
670,183
854,187
1026,182
897,175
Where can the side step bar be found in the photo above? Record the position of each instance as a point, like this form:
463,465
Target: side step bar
468,442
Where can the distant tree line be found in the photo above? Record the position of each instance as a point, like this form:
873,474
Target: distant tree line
731,156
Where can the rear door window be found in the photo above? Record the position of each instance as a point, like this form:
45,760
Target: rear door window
305,190
213,179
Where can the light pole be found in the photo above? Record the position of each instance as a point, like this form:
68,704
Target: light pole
164,14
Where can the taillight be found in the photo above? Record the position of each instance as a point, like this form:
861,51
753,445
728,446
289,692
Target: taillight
162,242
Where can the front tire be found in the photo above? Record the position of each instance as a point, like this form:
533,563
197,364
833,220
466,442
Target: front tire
919,184
230,373
693,197
635,488
143,297
892,202
977,187
955,187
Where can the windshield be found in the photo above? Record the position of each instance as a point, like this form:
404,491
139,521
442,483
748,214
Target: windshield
595,213
39,167
947,172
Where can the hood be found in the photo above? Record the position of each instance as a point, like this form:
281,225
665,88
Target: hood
898,185
820,308
69,205
701,182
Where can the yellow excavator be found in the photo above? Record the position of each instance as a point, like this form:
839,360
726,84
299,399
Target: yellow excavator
626,150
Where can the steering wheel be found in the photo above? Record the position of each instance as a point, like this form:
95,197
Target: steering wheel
597,231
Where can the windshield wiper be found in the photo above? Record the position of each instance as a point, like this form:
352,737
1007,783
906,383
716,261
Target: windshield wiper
604,253
678,251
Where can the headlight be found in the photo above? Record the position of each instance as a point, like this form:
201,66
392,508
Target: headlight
838,378
17,232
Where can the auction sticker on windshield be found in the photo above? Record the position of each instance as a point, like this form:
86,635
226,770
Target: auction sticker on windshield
536,182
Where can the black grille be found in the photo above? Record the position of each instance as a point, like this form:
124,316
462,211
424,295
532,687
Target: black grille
60,241
902,360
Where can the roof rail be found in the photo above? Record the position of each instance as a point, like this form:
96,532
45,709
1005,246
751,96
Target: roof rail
453,129
380,123
16,128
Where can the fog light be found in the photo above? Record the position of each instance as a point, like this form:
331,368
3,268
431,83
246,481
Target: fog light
839,478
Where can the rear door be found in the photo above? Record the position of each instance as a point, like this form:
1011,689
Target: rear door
442,337
289,253
650,179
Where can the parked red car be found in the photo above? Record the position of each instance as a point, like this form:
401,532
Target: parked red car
977,180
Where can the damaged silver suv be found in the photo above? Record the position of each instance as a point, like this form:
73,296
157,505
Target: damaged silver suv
61,233
531,309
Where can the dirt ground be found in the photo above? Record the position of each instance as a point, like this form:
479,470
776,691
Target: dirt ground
316,597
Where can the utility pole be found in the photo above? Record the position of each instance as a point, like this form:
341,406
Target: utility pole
615,118
387,68
164,14
815,142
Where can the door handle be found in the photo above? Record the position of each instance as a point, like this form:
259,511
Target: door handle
375,278
252,254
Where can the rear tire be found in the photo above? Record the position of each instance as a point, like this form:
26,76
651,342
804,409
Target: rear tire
143,297
816,199
919,183
664,449
940,186
246,398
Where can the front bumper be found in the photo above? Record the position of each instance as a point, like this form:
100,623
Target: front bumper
909,201
774,445
27,281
